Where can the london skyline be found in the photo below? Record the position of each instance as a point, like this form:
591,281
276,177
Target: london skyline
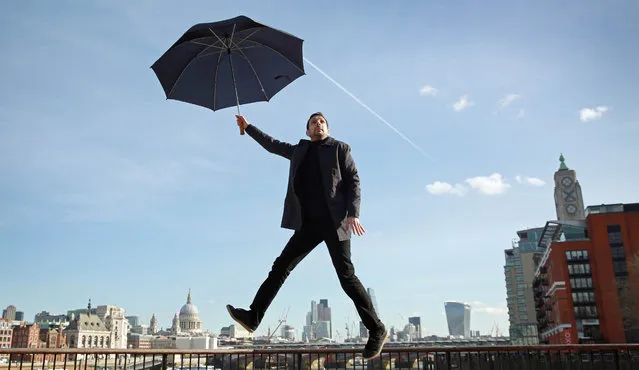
129,199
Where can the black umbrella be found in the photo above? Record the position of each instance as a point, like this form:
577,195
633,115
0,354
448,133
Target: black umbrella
230,62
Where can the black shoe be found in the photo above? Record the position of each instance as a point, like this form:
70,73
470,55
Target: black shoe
376,341
243,317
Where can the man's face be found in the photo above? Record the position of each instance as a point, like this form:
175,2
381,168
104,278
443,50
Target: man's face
317,128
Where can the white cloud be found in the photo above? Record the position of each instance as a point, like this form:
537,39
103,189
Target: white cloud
489,185
533,181
428,90
590,114
441,188
521,114
482,307
463,103
505,101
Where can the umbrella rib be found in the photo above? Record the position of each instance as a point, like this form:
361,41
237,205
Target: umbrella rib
205,44
218,38
278,53
249,35
217,68
189,64
252,69
224,46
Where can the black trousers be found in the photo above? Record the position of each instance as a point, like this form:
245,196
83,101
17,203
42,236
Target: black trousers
299,246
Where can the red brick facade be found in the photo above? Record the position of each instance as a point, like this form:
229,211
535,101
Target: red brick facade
587,291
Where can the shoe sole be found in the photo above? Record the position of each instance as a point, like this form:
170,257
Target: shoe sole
378,352
228,308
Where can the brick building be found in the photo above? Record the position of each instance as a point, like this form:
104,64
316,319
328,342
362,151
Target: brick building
26,336
586,285
53,337
6,333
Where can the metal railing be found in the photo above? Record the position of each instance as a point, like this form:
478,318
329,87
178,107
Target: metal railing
595,357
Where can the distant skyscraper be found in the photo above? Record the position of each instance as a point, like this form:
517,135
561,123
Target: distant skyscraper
288,332
134,321
318,321
313,312
324,315
417,321
9,313
322,329
458,317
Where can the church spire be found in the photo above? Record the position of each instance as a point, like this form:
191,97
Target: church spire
188,299
562,165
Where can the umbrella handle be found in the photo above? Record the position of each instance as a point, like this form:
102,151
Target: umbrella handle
237,98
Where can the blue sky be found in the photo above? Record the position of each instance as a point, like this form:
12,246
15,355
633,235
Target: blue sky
110,192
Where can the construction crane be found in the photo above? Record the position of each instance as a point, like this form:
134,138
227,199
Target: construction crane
494,329
349,330
279,323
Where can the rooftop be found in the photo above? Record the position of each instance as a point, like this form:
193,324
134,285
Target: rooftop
612,208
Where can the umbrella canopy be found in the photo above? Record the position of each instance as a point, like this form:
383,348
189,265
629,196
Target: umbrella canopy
230,62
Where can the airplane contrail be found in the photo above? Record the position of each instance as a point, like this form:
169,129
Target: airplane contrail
370,110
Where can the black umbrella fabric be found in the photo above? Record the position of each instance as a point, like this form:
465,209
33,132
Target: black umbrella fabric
229,63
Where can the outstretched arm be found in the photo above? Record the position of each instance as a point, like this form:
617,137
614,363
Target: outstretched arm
267,142
353,195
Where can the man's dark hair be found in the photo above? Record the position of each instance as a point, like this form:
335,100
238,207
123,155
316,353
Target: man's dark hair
316,114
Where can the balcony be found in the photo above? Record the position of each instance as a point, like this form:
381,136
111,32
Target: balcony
541,315
540,281
323,358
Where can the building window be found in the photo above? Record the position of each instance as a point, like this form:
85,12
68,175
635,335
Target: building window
614,234
619,267
581,283
583,297
589,311
577,255
618,252
579,269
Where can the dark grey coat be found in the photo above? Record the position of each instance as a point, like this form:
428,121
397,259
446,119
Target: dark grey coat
339,174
